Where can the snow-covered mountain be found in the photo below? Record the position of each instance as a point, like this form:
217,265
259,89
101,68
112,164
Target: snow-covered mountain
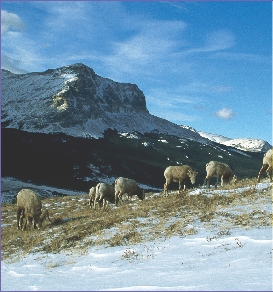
75,101
246,144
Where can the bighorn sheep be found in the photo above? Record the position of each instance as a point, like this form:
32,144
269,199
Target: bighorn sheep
220,170
127,186
267,165
92,196
105,193
178,174
29,206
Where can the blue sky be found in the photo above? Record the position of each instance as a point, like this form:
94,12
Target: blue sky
207,65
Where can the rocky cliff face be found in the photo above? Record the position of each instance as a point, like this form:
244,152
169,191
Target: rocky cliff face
76,101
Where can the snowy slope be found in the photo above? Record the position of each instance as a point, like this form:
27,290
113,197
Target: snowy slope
177,264
235,259
246,144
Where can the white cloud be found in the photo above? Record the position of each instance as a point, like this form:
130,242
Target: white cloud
10,21
170,98
150,45
219,40
214,41
224,113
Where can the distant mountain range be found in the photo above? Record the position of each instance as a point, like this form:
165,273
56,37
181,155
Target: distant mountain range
245,144
75,101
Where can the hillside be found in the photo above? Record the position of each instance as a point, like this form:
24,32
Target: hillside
78,163
222,234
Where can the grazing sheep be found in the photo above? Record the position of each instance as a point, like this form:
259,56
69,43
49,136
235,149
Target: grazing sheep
45,214
267,165
220,170
92,196
29,206
105,193
178,174
127,186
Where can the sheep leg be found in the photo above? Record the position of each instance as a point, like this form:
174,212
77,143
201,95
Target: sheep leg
180,187
262,170
269,172
184,189
116,198
47,215
105,205
166,189
206,181
25,225
19,219
217,180
222,180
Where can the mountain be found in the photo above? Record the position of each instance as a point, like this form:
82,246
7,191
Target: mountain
75,101
70,128
245,144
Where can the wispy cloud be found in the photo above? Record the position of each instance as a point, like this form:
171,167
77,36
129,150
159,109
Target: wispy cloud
245,57
219,40
224,113
10,22
168,104
213,42
175,116
148,48
167,100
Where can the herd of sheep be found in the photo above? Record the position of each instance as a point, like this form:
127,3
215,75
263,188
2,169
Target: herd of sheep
29,206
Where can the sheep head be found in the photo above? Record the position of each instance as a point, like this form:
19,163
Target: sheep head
192,175
43,216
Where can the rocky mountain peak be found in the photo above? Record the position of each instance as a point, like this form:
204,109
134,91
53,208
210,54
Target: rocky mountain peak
67,98
74,100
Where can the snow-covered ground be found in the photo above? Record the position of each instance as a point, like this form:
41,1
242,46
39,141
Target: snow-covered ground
235,259
240,261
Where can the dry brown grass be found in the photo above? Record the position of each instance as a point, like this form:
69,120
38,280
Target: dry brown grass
75,226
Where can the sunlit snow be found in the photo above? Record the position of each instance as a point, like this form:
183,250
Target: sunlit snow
236,259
